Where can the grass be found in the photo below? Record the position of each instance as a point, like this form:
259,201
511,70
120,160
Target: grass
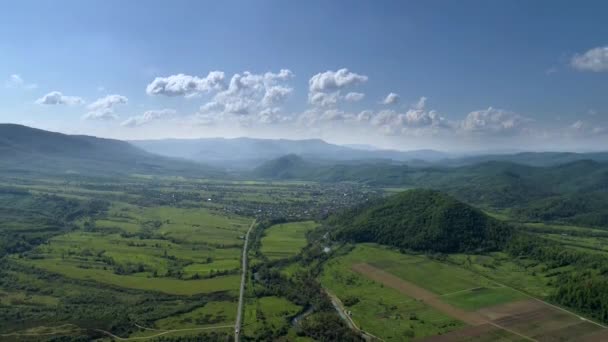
161,249
212,314
526,275
438,277
165,285
285,240
380,310
268,312
475,299
23,298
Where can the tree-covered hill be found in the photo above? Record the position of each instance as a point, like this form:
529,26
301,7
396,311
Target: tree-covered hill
423,220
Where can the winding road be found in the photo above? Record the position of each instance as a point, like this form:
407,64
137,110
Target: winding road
239,311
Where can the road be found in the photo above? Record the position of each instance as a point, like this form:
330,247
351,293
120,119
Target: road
239,311
341,310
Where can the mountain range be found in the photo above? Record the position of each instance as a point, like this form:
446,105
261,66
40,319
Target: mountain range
246,153
24,149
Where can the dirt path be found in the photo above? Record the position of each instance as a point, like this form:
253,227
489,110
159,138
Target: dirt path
341,310
419,293
163,332
428,297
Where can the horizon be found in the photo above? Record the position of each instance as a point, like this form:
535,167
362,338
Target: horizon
402,76
361,147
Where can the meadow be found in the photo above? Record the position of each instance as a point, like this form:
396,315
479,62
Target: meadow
285,240
268,315
376,308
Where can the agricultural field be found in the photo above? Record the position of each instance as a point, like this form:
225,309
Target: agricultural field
173,250
285,240
142,256
376,308
481,308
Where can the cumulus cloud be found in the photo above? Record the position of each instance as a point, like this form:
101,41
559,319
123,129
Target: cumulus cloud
417,117
186,85
390,99
323,99
334,80
16,81
354,97
251,94
494,121
324,89
595,60
57,98
103,108
148,117
276,95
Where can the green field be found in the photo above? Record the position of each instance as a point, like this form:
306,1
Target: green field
285,240
267,313
380,310
166,285
483,297
219,314
526,275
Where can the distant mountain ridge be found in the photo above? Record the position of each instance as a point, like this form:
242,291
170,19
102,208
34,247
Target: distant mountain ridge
29,149
248,153
252,152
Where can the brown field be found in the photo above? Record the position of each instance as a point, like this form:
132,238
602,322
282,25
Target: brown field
526,320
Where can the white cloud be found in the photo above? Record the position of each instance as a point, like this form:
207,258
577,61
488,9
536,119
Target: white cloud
334,80
354,97
186,85
57,98
250,94
276,95
323,99
494,121
239,106
103,108
212,107
390,99
272,116
324,89
16,81
415,117
148,117
595,60
417,120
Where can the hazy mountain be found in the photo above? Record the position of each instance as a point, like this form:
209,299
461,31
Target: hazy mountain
26,149
529,158
250,152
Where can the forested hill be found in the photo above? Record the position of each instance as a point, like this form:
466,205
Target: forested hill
423,220
26,149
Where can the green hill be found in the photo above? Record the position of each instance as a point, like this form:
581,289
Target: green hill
28,150
423,220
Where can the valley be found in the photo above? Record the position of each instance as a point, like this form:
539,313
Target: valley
440,254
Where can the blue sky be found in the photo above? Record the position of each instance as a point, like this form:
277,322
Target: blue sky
465,74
